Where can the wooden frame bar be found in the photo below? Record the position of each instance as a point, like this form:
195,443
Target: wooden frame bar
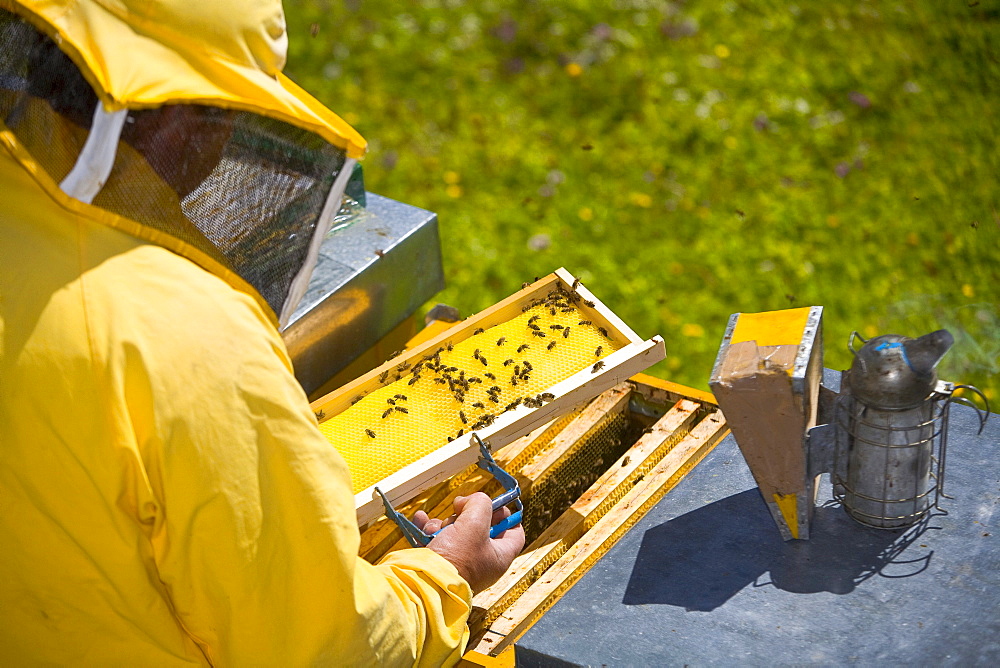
514,621
572,524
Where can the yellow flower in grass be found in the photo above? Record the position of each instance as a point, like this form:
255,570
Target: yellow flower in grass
692,330
641,200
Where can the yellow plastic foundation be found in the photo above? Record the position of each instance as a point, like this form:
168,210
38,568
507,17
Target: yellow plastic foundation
419,410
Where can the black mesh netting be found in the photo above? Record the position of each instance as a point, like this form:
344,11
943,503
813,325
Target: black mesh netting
49,114
245,189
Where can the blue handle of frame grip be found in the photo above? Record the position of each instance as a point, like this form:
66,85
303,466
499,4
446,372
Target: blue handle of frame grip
512,494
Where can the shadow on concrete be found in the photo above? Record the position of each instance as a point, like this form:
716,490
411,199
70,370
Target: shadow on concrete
703,558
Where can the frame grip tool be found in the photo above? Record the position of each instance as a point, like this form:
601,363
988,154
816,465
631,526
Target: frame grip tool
511,495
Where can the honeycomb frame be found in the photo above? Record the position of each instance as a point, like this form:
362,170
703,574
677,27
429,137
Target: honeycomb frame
628,354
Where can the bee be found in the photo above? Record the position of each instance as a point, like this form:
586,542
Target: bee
320,415
527,365
555,326
576,284
533,326
566,333
403,367
450,439
551,345
401,409
461,416
588,303
597,366
494,398
450,346
524,309
460,432
475,354
396,354
440,380
483,360
413,380
521,348
585,322
513,381
552,310
532,319
474,379
568,309
600,349
501,340
370,433
626,461
524,285
459,397
479,330
512,405
383,376
479,405
539,334
546,396
603,332
494,390
388,412
357,399
508,362
490,376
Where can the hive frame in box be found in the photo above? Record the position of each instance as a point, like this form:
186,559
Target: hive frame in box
635,356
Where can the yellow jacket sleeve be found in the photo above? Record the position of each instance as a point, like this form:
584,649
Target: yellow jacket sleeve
257,540
165,494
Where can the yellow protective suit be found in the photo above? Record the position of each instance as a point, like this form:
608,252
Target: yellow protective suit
165,494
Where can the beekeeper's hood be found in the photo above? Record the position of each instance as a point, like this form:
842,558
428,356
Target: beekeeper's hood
171,120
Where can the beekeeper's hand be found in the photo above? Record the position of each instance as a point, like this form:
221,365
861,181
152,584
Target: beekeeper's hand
481,560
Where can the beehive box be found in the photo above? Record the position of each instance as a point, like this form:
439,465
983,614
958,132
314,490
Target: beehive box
586,478
405,426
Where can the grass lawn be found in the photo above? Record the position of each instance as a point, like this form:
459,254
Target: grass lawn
691,159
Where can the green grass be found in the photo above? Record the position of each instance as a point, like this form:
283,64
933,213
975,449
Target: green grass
691,159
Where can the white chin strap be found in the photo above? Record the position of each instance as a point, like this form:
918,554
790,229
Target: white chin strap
93,166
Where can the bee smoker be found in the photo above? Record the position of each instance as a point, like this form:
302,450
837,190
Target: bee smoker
881,434
890,427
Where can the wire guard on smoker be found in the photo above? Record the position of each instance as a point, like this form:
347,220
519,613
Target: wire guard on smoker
891,444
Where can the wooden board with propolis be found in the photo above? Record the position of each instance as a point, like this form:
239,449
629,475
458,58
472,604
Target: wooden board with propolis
407,425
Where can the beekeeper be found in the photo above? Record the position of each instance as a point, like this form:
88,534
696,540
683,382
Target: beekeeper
165,494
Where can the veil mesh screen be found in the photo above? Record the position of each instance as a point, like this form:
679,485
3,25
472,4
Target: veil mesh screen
244,189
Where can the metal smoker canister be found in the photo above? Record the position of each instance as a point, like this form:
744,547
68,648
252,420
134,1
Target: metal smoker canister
892,418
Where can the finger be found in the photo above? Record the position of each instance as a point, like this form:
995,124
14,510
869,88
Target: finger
510,543
500,514
420,519
432,526
475,511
